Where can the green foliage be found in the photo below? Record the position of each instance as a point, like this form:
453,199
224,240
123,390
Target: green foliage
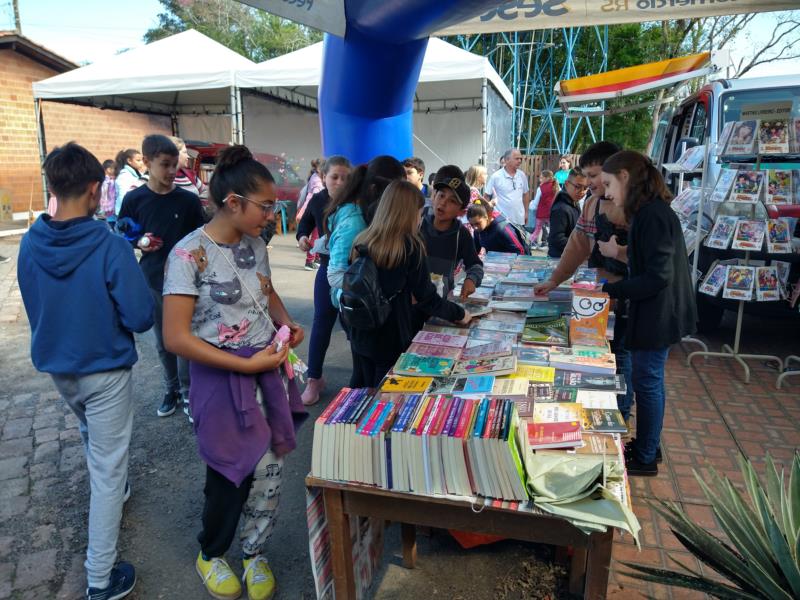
761,558
250,32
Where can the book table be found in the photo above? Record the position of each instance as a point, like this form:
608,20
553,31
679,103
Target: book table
589,566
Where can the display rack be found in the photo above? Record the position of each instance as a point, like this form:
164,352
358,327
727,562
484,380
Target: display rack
727,351
786,362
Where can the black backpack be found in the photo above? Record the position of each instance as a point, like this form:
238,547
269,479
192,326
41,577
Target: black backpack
521,234
363,304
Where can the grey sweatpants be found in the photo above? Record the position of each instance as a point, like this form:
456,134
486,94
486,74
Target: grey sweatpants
103,403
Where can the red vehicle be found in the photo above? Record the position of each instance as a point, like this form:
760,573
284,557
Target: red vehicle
287,181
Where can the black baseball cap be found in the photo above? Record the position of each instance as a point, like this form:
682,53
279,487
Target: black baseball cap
450,176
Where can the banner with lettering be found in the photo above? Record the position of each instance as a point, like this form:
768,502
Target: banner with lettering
524,15
325,15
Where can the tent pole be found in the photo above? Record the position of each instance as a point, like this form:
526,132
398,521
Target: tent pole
239,115
484,119
37,105
234,131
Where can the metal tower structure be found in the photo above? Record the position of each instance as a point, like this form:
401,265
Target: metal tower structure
530,63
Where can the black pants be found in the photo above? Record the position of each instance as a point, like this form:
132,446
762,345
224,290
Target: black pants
221,512
367,371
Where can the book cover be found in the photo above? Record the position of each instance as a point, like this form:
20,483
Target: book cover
507,291
779,240
603,420
597,399
586,361
565,434
436,351
742,137
556,412
511,305
535,373
481,336
539,392
441,385
589,317
406,385
537,356
553,332
724,184
749,235
586,381
474,385
488,350
510,388
543,311
767,284
714,280
501,326
414,364
739,282
773,136
440,339
722,232
747,186
504,365
779,187
565,395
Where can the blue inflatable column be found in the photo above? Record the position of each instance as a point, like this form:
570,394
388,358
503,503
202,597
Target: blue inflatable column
366,96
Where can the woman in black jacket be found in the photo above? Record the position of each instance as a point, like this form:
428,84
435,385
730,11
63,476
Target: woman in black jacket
394,244
659,291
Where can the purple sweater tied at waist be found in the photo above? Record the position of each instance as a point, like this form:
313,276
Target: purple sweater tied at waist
232,433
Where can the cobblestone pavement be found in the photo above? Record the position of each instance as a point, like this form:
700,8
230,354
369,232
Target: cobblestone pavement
711,416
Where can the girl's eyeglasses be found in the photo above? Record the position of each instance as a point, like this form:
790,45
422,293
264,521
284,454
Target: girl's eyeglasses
266,207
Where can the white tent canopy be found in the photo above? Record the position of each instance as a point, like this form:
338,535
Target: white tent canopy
458,95
184,73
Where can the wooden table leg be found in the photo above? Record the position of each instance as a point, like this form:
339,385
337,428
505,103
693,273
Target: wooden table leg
341,545
598,562
577,571
409,534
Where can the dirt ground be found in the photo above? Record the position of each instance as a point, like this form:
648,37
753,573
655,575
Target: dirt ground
43,525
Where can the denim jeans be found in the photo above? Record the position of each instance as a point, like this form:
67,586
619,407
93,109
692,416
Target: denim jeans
623,356
648,384
324,322
176,368
103,403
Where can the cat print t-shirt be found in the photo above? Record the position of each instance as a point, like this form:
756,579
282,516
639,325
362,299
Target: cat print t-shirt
225,314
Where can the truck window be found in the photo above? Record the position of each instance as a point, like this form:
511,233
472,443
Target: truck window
733,101
699,121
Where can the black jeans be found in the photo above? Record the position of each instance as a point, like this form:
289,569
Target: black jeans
367,371
221,512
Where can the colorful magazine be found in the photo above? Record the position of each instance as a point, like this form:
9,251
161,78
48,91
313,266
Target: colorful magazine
779,241
430,366
722,232
747,186
538,356
749,235
724,184
739,282
767,284
440,339
773,136
779,187
715,279
742,138
504,365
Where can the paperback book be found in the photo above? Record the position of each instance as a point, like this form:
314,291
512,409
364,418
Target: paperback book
585,361
501,326
714,280
406,385
557,412
587,381
440,339
779,187
504,365
540,436
749,235
538,356
742,138
430,366
474,385
739,282
767,288
773,136
722,232
535,373
487,351
597,399
477,337
435,351
553,332
603,420
779,240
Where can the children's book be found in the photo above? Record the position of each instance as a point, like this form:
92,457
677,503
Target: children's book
476,385
603,420
715,279
538,356
747,186
504,365
488,350
739,282
773,136
778,239
431,350
749,235
779,187
724,184
551,333
431,366
589,318
722,232
510,305
406,385
742,137
440,339
585,361
767,284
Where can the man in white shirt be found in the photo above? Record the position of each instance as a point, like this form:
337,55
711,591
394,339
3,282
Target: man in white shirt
509,188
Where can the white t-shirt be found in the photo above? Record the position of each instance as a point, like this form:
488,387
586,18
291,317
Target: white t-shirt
508,191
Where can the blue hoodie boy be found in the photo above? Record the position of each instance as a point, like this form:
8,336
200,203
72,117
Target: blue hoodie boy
85,295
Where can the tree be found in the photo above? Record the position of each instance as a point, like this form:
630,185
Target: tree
249,31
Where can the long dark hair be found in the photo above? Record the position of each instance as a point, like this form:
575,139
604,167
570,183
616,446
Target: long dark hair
122,158
364,187
645,183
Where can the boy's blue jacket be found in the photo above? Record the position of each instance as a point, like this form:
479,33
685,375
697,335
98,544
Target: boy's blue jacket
84,294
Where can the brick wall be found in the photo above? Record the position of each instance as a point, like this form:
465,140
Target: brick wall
103,132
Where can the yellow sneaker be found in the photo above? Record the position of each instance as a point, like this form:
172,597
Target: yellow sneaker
259,578
218,578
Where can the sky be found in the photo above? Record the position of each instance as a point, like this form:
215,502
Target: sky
87,30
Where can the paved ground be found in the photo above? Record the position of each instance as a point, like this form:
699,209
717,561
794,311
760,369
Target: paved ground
43,483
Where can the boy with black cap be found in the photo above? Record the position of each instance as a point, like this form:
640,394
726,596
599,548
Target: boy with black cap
447,241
